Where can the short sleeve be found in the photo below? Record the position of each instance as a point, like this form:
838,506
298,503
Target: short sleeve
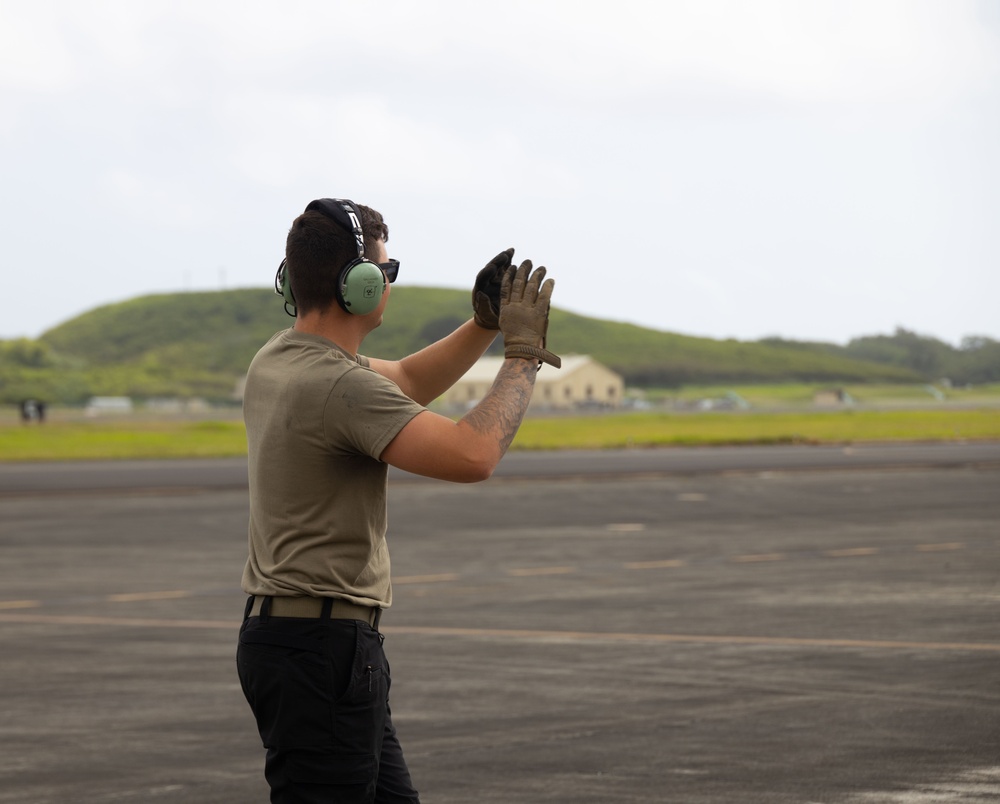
365,411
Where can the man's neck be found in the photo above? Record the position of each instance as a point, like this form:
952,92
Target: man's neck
344,332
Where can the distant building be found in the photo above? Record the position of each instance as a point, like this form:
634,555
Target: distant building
174,405
582,382
832,397
99,405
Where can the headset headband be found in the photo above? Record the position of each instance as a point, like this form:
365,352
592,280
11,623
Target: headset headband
346,214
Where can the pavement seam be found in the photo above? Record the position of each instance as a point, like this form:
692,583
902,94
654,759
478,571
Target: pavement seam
528,634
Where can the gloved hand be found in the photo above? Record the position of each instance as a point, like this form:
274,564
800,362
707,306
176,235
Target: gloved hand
524,314
486,293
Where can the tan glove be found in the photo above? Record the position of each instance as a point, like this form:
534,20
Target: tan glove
524,314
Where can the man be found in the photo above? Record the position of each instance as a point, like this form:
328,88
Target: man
323,423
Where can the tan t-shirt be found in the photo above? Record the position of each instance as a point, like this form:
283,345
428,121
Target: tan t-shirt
317,420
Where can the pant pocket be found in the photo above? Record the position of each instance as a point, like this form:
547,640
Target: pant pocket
290,693
359,715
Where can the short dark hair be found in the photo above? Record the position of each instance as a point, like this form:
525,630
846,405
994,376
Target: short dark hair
316,250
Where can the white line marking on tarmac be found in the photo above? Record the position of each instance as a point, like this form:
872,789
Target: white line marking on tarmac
982,784
526,634
527,572
444,577
132,597
851,552
752,559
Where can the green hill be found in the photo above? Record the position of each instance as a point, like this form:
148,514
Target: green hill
199,345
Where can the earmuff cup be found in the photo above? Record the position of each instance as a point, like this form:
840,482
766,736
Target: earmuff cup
360,287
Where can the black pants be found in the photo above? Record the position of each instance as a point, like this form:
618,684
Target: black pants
319,689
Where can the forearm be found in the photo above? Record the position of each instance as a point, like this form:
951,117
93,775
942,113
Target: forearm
425,375
469,450
499,414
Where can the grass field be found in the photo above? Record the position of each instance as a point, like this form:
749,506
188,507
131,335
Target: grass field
801,395
841,426
121,439
111,439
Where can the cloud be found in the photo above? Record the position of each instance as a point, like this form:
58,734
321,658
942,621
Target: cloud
154,200
34,55
765,147
833,51
818,51
359,140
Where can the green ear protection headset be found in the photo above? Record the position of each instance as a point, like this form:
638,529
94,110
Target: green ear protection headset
361,283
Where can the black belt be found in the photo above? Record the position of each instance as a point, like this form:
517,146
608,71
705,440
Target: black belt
314,608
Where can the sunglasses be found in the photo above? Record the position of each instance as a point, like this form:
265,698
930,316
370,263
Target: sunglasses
390,269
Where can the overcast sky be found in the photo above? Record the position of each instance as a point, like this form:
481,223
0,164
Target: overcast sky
728,168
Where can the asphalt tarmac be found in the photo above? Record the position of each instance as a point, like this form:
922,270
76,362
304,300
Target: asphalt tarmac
710,626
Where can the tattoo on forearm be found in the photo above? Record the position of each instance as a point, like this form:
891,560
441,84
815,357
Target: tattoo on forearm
501,411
